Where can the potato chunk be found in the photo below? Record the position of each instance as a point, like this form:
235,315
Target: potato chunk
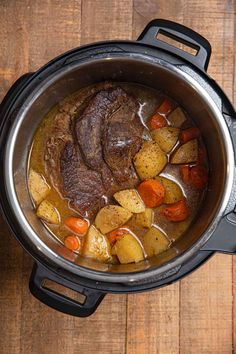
166,137
128,250
48,212
96,245
110,217
155,242
38,187
144,219
173,192
150,160
130,200
186,153
177,117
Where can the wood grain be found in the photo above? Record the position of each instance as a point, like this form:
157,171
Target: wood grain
153,322
106,19
234,259
206,310
197,315
54,27
13,63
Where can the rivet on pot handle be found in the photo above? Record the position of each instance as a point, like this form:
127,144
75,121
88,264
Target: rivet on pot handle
180,34
58,301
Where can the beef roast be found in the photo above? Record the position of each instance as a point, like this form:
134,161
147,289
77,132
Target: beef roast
90,151
90,124
59,135
81,185
122,139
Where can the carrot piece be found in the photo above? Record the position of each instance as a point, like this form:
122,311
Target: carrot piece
199,176
152,192
165,107
77,225
177,211
189,134
157,121
185,174
72,242
114,235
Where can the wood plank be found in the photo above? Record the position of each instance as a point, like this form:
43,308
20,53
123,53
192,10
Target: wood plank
106,19
234,258
105,331
14,43
206,309
13,63
54,28
206,296
153,322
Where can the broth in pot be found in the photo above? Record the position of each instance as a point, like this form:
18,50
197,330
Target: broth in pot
117,172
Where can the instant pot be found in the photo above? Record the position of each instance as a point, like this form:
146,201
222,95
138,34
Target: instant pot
152,62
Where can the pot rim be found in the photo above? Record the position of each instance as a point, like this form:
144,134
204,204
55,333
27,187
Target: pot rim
79,270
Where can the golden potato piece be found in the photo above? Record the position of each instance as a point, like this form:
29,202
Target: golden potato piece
177,117
38,187
155,242
96,245
110,217
186,153
166,137
48,212
144,219
128,249
150,160
173,192
130,200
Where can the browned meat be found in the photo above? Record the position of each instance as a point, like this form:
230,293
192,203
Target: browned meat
58,136
80,184
90,124
122,139
89,154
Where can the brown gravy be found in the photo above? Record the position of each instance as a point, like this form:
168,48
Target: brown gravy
148,99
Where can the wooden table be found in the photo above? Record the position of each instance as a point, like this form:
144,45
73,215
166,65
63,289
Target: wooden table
196,315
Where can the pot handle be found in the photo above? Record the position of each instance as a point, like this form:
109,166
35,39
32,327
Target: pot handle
224,238
181,34
61,302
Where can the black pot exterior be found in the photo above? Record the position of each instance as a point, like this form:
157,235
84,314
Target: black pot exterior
94,291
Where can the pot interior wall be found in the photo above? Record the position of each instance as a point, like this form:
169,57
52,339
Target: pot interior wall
158,77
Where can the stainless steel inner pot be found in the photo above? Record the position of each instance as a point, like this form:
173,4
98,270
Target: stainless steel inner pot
178,84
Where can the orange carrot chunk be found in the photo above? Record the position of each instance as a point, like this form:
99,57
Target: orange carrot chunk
77,225
152,192
157,121
185,174
72,242
177,211
189,134
199,176
114,235
165,107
